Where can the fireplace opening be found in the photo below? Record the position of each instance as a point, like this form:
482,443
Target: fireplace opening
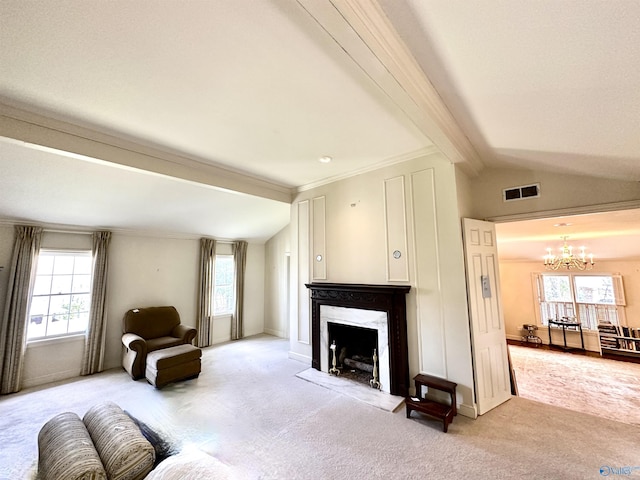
354,350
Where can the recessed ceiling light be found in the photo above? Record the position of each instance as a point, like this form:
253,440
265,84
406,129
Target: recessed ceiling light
562,224
325,159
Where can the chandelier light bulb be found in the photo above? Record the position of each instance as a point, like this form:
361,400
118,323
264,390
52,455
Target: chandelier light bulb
567,260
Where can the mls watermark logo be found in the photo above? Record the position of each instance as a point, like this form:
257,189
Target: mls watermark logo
607,470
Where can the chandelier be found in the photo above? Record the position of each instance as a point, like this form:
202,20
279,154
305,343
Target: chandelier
567,259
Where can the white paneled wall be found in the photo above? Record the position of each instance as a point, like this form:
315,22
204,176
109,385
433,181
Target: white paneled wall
395,214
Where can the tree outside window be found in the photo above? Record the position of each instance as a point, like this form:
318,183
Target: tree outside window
594,289
557,288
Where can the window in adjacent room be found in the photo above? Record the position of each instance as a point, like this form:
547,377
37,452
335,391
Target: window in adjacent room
224,289
591,299
61,297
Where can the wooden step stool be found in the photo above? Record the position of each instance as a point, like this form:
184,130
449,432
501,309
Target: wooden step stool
433,408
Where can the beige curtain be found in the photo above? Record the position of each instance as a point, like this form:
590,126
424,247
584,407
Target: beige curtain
205,294
13,325
240,259
93,359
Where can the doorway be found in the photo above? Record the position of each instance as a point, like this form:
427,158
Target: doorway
614,240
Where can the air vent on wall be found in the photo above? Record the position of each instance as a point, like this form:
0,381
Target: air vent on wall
521,193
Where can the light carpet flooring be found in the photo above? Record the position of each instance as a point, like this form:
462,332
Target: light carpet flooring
250,410
598,386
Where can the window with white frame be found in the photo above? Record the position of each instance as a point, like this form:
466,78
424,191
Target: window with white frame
61,297
591,299
224,289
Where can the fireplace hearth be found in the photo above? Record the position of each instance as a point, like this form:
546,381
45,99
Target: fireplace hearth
378,307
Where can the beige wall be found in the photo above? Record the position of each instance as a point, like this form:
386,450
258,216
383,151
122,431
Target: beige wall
556,192
463,190
143,271
149,271
6,250
358,235
519,301
277,260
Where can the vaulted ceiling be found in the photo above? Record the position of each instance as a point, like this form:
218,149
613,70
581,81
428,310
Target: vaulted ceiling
203,117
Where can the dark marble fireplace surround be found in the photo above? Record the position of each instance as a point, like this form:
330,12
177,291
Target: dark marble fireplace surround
384,298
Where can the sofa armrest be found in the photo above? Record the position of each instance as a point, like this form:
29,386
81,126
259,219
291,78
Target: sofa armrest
186,333
134,342
134,355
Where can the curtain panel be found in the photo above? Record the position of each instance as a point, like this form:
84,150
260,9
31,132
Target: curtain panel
205,291
240,259
93,358
13,325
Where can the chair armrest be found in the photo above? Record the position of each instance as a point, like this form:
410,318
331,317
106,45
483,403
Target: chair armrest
184,332
134,342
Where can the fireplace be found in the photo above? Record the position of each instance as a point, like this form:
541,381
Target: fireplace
381,308
356,350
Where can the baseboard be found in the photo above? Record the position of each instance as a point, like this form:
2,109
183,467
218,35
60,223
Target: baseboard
300,358
50,378
275,333
217,340
590,338
468,410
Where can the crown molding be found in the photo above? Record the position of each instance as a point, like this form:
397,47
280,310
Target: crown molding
362,29
44,132
125,232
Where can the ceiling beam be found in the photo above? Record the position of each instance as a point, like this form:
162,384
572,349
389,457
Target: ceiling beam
365,33
64,138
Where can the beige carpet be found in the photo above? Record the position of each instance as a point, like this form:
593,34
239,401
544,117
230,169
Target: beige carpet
597,386
249,410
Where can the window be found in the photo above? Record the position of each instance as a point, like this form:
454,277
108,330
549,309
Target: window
591,299
61,296
224,289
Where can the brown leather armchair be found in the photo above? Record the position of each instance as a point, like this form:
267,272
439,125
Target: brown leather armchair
148,329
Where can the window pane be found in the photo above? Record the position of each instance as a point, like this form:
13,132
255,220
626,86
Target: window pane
39,306
42,285
594,289
63,264
60,307
81,283
37,327
45,264
79,303
223,299
228,274
61,284
78,322
83,265
224,270
556,288
57,326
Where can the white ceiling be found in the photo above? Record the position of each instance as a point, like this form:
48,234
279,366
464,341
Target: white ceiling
607,235
544,84
265,88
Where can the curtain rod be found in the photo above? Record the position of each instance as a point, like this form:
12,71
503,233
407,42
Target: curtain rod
79,232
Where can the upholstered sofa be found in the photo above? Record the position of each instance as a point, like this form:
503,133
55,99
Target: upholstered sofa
149,329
